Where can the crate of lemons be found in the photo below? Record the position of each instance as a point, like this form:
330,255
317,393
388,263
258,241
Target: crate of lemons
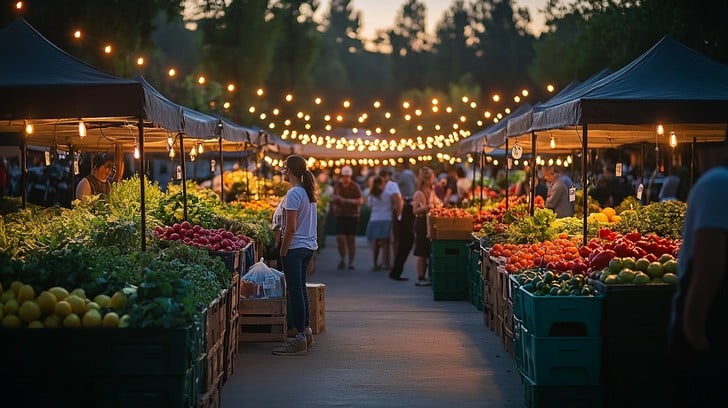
22,307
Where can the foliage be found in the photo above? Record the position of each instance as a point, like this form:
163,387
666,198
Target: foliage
665,219
529,230
629,203
574,226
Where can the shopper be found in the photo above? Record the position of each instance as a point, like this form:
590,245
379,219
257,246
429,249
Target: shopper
347,200
298,243
424,200
698,335
451,188
557,198
402,226
98,182
379,227
464,186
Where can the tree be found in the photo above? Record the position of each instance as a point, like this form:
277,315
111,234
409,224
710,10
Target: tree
453,48
410,46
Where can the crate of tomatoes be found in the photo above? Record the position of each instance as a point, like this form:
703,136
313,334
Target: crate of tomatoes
449,224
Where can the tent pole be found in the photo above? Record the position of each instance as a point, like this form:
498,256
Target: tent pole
584,186
222,168
247,182
72,154
507,162
692,161
534,179
482,177
184,174
472,184
642,169
23,171
142,175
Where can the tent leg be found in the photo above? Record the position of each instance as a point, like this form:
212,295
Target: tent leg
222,170
506,164
142,194
23,172
482,177
184,174
692,161
584,186
534,178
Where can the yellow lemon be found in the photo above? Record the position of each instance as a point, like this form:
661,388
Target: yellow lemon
12,322
111,320
11,307
124,321
92,305
79,292
26,292
61,293
78,305
609,211
15,286
29,311
102,300
52,321
47,302
35,324
72,320
92,318
63,309
7,295
118,301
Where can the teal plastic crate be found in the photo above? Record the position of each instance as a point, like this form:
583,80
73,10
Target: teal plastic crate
451,248
549,396
518,344
449,278
516,297
141,391
653,301
561,360
631,362
562,315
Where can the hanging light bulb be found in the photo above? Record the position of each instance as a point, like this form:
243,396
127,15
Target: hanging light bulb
200,148
171,152
660,129
170,140
552,143
193,153
81,129
29,129
136,151
673,139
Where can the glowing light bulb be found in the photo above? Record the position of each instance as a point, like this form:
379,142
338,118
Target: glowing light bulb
200,148
552,143
107,49
77,34
140,61
29,129
673,139
660,129
136,151
81,129
172,72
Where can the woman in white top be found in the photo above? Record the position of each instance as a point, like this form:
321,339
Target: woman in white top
379,228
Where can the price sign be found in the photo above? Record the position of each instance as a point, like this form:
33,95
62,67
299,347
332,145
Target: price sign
640,189
517,151
47,158
179,172
572,194
510,163
75,168
212,165
618,170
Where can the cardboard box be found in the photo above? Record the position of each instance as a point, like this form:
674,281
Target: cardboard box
450,228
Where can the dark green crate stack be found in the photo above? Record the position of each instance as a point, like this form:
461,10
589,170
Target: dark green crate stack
635,322
449,266
104,367
475,277
559,348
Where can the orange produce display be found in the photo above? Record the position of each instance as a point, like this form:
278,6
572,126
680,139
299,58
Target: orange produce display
561,254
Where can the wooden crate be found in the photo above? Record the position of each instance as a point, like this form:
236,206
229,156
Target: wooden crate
230,347
214,361
211,398
507,340
215,314
508,314
499,327
489,317
233,298
317,306
262,320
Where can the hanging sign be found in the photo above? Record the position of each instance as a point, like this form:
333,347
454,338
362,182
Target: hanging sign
47,157
212,165
517,151
572,194
75,167
640,189
618,170
179,172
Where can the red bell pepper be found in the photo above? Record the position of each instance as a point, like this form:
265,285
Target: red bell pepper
601,259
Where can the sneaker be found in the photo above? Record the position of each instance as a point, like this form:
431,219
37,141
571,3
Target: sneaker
423,282
292,347
342,265
398,278
310,341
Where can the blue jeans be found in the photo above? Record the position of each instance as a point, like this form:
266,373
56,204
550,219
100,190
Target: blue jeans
295,265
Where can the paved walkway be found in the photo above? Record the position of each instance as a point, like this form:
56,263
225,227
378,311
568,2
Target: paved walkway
386,344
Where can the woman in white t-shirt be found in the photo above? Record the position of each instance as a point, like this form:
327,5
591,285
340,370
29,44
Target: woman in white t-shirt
379,228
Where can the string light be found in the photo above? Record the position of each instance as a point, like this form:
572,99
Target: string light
552,143
29,128
673,139
200,148
660,129
136,151
81,129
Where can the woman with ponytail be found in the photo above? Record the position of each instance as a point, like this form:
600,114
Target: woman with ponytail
298,243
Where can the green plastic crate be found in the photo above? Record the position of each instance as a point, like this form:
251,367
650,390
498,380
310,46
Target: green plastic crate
449,278
549,396
451,248
144,391
621,303
561,360
516,297
562,315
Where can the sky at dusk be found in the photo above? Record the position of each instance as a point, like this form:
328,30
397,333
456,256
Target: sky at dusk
380,14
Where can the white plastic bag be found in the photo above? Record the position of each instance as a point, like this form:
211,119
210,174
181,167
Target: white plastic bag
262,282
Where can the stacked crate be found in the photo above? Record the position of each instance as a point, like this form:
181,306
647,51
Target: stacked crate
489,272
475,278
560,349
262,320
448,265
635,323
316,309
212,361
